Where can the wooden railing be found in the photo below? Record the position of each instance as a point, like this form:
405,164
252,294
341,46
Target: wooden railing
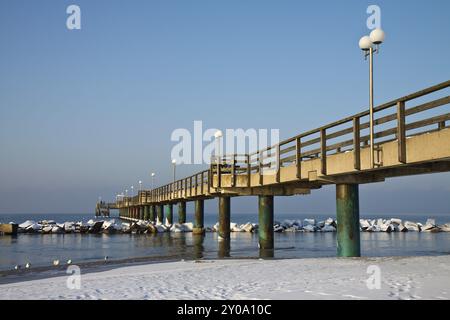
345,135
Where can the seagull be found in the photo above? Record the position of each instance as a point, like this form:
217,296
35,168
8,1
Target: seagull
55,262
17,267
69,261
28,265
106,258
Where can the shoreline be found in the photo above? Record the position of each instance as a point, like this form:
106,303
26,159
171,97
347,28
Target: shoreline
414,277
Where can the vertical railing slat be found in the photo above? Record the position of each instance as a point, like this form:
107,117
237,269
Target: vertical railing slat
401,132
323,151
298,157
356,144
248,170
278,164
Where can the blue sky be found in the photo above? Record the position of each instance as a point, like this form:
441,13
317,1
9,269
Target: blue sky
89,112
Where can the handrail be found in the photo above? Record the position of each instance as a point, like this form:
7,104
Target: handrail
245,164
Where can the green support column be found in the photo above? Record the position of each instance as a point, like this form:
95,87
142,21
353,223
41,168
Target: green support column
265,229
182,212
152,213
169,213
160,213
224,217
197,241
141,212
347,216
146,213
198,218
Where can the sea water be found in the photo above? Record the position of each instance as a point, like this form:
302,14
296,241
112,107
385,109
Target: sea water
42,249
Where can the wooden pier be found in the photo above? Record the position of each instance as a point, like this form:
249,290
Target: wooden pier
412,136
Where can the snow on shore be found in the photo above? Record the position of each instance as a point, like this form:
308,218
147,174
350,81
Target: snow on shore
316,278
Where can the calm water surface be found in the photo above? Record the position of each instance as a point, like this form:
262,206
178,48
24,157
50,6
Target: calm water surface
41,250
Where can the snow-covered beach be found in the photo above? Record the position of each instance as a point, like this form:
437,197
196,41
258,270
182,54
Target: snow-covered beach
315,278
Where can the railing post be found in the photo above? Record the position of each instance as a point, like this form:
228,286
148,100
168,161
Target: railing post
248,170
233,171
356,144
260,168
219,173
202,181
209,179
196,183
278,164
298,157
323,151
401,131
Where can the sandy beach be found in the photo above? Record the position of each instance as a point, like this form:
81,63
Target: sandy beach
317,278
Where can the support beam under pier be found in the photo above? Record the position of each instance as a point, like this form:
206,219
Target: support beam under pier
169,213
152,216
160,213
182,212
224,217
347,216
265,229
199,217
146,212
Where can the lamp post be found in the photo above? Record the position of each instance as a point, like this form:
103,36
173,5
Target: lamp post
174,164
153,178
140,185
132,190
366,44
218,135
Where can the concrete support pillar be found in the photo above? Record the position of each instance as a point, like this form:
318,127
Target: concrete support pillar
152,213
182,212
265,229
160,213
199,217
141,212
146,213
224,217
169,213
347,216
197,241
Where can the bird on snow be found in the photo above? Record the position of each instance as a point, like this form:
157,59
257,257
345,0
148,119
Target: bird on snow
17,267
69,261
55,262
28,265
